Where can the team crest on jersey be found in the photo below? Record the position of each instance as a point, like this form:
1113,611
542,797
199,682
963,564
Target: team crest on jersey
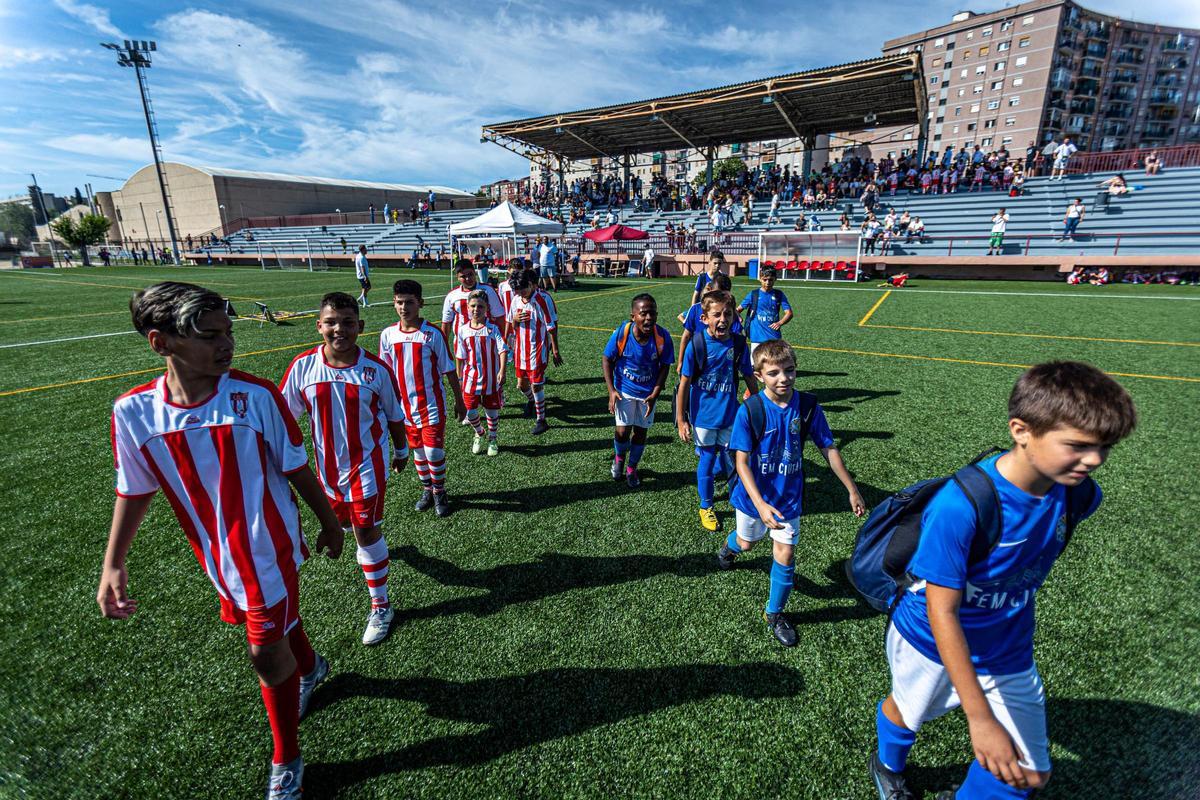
191,420
369,374
795,426
729,354
240,402
337,376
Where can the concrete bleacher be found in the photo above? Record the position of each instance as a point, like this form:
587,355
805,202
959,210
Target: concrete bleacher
956,224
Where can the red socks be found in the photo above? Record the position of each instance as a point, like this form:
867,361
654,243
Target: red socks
306,659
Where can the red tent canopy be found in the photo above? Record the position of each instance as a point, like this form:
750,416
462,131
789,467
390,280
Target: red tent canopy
616,233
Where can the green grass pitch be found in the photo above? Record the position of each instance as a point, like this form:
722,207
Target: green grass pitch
560,635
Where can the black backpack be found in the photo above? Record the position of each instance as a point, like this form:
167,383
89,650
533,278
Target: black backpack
756,411
699,358
776,294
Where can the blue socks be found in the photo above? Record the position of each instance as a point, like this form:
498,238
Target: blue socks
732,543
709,457
635,454
894,741
621,448
782,577
982,785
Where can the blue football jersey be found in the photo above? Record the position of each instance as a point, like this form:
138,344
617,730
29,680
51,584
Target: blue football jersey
776,461
635,372
768,312
712,401
693,323
997,610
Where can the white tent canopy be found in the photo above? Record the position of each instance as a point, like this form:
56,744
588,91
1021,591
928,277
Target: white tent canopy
506,219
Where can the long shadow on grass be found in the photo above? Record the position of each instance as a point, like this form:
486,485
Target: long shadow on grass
540,498
525,710
539,450
1115,749
550,574
829,398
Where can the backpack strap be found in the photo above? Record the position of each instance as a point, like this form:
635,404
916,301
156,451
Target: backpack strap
660,340
623,336
1079,500
979,488
739,349
753,303
699,354
756,412
808,407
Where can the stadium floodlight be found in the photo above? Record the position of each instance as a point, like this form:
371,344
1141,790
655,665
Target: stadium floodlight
135,54
768,100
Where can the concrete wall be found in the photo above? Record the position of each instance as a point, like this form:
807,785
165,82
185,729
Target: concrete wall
249,197
193,201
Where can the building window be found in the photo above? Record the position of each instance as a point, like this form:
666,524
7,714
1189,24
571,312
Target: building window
962,73
1006,25
1023,41
999,65
939,42
1027,21
1018,81
933,78
981,69
986,31
1022,61
984,50
907,136
970,35
961,92
997,85
1003,46
954,129
1015,100
970,126
957,112
989,123
966,53
975,108
978,89
985,141
1010,121
937,62
993,105
1006,140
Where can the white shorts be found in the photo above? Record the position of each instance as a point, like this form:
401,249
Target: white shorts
712,437
631,411
923,691
752,529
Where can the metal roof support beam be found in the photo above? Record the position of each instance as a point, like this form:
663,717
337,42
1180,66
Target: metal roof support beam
786,118
663,118
585,142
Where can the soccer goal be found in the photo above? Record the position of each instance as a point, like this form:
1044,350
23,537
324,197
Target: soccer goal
816,256
294,256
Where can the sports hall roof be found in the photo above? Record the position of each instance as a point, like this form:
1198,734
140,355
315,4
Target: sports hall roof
787,106
223,172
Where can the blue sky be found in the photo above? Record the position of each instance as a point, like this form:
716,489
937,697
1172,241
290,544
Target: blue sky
389,90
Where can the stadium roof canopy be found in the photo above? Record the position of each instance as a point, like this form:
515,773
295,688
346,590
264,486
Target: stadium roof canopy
222,172
865,94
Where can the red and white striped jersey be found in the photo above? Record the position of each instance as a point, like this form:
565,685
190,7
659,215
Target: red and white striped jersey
506,295
419,358
543,299
532,335
454,307
222,464
481,352
349,409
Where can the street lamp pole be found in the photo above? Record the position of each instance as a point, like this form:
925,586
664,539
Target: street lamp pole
224,231
136,54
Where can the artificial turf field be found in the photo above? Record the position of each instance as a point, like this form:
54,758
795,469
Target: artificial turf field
561,635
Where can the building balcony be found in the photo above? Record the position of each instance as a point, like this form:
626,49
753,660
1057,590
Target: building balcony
1122,95
1127,57
1173,62
1077,126
1160,97
1083,107
1116,129
1177,44
1088,87
1118,112
1157,130
1091,72
1096,51
1168,80
1123,76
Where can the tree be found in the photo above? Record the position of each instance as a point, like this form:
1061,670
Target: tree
89,229
16,219
727,168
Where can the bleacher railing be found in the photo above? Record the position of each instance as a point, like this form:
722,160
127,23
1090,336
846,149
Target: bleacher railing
1186,155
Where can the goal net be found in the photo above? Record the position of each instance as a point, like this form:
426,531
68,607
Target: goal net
298,256
821,256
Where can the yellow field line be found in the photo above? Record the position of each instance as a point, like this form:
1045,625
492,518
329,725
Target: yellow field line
1032,335
874,308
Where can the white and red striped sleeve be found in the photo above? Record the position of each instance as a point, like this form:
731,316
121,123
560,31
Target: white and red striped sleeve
495,306
134,476
281,434
449,312
460,344
292,386
546,304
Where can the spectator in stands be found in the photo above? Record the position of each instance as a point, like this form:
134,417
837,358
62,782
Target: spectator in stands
870,197
1030,156
844,221
371,208
1071,220
869,230
1153,163
916,230
999,226
1018,183
1062,158
801,223
773,214
343,245
649,267
1116,185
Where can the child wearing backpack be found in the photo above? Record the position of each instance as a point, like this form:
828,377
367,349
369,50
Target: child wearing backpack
712,361
967,555
767,310
768,439
691,319
636,361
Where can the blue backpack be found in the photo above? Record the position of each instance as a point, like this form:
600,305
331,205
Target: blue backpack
886,542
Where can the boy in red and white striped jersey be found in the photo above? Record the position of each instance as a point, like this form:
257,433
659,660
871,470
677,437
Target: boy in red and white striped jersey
454,307
535,331
479,348
417,353
350,398
223,447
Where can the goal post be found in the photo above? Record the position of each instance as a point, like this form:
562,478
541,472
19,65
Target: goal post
813,256
293,256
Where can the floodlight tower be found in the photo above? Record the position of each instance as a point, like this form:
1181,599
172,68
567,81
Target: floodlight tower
136,54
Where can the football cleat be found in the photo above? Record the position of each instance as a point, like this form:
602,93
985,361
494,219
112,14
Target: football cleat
890,785
379,622
540,427
286,780
781,629
477,444
708,518
726,557
632,479
618,469
308,683
425,501
493,447
441,505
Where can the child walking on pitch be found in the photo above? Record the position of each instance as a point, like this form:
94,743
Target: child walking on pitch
767,310
712,361
962,632
691,319
417,353
350,398
636,361
362,271
480,349
534,329
224,449
768,438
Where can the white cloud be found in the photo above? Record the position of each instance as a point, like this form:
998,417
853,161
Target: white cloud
104,145
95,17
15,56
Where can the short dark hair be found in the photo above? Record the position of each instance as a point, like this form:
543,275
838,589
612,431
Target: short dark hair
478,294
766,272
338,301
644,297
464,264
719,283
521,279
406,286
172,307
1061,393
